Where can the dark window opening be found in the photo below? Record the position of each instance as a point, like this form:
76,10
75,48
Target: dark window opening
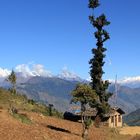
119,118
112,119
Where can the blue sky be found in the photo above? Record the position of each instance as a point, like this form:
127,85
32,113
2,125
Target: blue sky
58,34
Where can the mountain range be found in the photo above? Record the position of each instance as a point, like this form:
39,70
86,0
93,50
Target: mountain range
56,90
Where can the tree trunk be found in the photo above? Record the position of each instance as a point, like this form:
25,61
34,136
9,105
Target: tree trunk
97,121
85,133
85,129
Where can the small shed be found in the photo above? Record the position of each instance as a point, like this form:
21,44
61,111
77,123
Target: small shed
114,117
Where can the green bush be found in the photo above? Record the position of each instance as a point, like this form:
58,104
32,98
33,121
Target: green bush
31,101
22,117
88,122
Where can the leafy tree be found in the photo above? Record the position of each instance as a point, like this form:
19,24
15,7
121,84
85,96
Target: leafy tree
97,61
84,95
12,79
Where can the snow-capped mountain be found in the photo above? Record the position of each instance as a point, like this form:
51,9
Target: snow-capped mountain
133,82
24,72
67,75
32,70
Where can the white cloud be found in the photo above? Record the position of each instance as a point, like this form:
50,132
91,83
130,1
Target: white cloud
4,72
89,79
33,70
24,69
39,70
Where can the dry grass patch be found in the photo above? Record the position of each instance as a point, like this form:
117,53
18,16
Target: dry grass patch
135,130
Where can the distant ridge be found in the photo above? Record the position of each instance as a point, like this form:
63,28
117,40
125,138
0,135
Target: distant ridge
133,119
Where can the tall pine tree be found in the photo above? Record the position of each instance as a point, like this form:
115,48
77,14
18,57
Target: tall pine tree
97,61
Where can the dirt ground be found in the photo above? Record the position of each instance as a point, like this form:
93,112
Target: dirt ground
44,128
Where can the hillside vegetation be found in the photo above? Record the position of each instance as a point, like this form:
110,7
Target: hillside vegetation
22,103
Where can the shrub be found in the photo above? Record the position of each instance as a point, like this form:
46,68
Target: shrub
22,118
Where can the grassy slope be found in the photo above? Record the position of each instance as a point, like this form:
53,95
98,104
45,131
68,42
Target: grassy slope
21,102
